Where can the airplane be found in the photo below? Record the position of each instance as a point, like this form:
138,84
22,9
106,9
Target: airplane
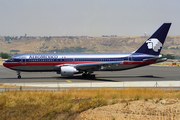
68,64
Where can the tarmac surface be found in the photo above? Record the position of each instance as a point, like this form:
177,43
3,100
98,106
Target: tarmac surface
149,76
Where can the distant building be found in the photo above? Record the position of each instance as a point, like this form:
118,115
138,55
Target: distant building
145,34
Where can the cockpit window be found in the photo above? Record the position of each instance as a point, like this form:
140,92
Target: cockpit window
11,59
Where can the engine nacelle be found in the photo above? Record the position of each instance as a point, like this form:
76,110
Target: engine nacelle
68,71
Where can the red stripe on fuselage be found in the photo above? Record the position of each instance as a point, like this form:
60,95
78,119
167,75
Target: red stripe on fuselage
138,62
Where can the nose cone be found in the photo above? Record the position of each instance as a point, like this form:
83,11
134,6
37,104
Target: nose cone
5,64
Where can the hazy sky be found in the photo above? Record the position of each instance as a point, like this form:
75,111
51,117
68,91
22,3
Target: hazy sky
87,17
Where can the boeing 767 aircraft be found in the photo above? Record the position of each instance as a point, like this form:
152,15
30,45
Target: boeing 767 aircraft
68,64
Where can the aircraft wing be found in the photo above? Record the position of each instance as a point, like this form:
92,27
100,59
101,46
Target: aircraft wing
98,65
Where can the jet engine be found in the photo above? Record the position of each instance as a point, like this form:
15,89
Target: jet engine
68,71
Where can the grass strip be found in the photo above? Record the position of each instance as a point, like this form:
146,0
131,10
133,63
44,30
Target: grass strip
46,105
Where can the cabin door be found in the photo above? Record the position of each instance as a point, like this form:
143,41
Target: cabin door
23,61
130,59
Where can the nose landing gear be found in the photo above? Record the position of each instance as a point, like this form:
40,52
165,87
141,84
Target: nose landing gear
19,74
19,77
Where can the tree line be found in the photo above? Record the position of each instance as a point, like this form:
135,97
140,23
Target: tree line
168,56
4,55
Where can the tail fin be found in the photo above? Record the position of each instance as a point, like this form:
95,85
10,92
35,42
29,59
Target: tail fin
154,44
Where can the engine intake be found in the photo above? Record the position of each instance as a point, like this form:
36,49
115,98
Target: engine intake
68,71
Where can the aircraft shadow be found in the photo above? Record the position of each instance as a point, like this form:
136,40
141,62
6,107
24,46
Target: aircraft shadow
108,78
144,76
80,78
101,78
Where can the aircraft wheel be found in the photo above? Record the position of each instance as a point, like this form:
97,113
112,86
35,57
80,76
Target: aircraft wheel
19,77
88,76
84,75
93,76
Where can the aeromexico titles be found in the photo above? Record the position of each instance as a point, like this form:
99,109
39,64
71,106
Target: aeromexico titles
68,64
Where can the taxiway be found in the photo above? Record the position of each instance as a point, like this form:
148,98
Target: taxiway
149,76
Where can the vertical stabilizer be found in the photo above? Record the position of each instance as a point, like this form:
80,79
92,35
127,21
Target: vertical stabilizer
154,44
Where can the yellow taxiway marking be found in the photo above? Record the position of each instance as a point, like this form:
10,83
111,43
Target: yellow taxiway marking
68,81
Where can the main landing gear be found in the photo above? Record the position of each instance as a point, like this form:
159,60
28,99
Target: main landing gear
19,74
88,75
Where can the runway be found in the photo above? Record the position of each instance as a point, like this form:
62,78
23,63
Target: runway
149,76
